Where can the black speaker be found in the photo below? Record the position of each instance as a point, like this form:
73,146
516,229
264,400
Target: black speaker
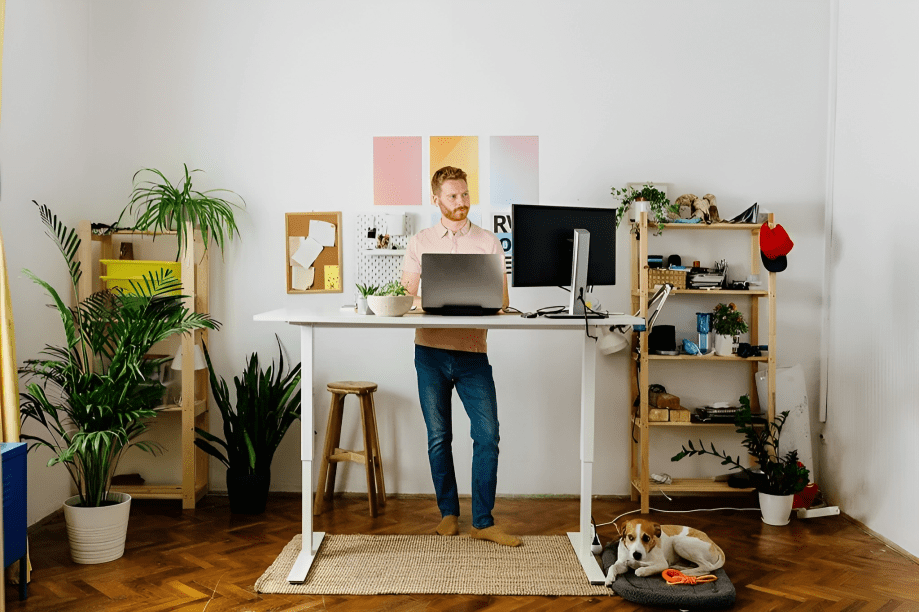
662,339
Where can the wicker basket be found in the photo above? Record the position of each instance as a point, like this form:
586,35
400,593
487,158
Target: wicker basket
660,276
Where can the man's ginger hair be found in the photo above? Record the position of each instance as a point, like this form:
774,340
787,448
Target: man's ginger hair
447,173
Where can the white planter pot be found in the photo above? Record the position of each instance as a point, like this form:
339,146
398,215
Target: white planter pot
362,308
776,509
724,344
97,535
638,207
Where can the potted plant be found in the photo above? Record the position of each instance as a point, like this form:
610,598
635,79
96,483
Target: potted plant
94,395
365,291
267,402
777,477
727,323
392,300
646,198
162,206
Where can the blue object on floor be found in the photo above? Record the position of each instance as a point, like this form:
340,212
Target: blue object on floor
14,510
654,590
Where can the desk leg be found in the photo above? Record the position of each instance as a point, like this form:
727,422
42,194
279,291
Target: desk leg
581,540
310,541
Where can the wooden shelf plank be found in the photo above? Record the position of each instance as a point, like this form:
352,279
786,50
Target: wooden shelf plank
705,358
683,424
130,232
747,227
200,407
747,292
693,485
151,491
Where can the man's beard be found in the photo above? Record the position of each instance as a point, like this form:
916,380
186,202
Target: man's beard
458,214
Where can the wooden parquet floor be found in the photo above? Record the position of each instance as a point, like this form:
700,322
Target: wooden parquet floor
208,559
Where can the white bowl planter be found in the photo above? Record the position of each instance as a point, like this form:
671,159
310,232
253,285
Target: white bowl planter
390,305
97,535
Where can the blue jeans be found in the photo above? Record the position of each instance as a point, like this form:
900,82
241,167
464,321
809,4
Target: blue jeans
439,371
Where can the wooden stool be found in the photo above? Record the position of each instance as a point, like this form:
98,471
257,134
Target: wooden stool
370,456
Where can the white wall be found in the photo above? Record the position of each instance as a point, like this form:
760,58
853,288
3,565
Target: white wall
871,451
279,101
43,132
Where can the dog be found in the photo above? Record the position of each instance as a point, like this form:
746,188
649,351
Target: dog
650,548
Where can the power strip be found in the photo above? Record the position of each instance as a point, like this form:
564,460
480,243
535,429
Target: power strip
817,512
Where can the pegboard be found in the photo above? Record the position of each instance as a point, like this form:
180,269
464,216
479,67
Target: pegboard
376,269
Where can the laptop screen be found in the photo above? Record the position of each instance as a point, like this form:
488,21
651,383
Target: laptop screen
462,283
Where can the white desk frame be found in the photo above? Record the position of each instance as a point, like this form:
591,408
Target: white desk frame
309,320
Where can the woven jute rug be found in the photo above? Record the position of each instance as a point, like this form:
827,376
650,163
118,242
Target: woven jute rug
401,564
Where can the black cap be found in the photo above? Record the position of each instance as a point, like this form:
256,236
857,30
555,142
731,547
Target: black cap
774,264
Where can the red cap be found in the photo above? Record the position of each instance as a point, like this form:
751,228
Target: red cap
774,242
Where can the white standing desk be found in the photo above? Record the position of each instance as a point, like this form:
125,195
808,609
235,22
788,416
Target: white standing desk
310,319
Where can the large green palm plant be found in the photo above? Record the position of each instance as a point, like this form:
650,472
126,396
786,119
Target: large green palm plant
93,395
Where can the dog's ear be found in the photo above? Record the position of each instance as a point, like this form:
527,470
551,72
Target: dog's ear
657,530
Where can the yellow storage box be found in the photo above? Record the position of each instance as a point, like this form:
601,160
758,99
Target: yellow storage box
124,284
128,268
120,272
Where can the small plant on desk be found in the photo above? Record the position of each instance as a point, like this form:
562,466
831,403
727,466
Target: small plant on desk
394,288
367,290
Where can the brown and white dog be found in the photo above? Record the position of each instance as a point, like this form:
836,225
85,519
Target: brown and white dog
649,549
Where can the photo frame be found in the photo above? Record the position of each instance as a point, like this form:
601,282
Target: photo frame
313,252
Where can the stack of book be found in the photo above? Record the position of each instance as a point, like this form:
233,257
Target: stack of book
705,280
720,414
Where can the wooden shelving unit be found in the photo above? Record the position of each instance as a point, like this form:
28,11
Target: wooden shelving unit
641,365
194,409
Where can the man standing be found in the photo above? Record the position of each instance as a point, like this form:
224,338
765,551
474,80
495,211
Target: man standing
448,358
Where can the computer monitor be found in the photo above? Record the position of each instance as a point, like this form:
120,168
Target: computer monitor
564,246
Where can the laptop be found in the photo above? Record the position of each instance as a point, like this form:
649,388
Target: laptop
462,284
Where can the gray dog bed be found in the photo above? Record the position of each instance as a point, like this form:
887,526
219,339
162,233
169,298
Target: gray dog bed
654,590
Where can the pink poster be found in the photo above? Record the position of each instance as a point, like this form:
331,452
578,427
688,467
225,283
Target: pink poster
397,171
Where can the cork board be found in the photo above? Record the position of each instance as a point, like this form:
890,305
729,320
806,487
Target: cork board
322,252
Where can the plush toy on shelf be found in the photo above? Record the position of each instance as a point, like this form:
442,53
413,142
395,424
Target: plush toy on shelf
691,206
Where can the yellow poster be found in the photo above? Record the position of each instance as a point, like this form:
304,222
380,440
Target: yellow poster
460,152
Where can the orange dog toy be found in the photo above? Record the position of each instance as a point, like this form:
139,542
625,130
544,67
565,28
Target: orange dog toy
674,577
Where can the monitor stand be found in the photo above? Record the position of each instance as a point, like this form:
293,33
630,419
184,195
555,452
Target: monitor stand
579,258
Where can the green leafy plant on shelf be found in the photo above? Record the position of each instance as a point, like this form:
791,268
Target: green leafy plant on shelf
775,473
161,206
727,320
93,395
658,204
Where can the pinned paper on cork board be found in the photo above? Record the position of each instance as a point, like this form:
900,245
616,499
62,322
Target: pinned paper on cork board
313,250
